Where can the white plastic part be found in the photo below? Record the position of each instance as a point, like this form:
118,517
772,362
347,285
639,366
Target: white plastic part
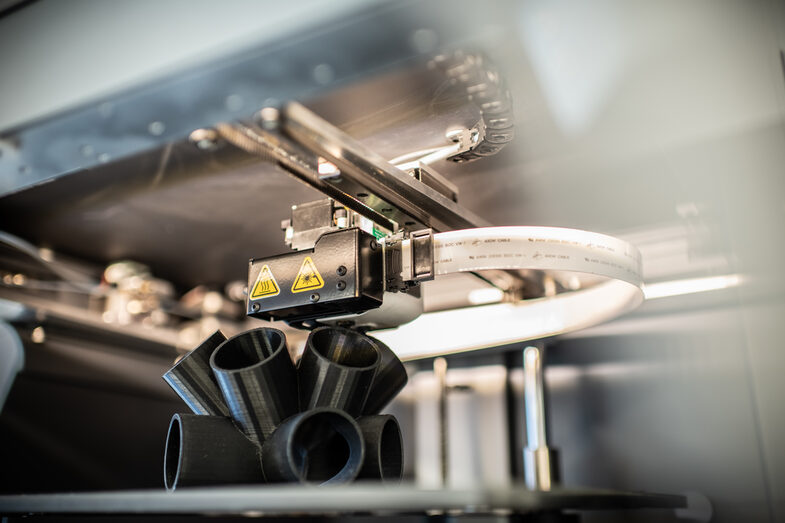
543,248
397,308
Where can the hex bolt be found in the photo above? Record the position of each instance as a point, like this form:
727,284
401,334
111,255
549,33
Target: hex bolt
341,270
315,297
341,285
255,307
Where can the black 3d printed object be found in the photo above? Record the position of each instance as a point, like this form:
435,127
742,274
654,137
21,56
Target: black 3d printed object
258,418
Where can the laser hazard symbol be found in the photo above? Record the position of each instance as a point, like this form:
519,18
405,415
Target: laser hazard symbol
265,285
308,278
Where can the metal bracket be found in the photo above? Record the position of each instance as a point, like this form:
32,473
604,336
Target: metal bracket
408,261
422,255
393,267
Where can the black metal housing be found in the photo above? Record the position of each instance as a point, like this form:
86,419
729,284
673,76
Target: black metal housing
350,265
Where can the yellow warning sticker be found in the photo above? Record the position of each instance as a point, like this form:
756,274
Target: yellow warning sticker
308,278
265,285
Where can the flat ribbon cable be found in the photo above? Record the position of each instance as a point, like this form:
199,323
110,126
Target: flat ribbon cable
617,262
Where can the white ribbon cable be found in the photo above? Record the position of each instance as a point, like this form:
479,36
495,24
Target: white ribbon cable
543,248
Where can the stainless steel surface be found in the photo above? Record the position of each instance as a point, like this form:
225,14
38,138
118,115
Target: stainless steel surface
94,51
537,465
440,371
304,500
428,175
533,398
114,122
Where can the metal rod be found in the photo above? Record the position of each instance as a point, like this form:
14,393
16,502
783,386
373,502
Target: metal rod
538,459
440,369
533,398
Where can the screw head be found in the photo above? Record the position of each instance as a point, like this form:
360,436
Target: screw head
156,128
314,297
255,307
204,139
341,285
341,270
269,118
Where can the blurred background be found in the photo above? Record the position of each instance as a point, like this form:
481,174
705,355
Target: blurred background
125,238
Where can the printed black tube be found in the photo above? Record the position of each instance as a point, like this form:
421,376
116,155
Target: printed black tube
192,379
321,446
257,379
208,450
388,381
383,448
337,369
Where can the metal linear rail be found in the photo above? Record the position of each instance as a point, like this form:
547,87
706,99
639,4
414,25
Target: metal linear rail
366,176
295,160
